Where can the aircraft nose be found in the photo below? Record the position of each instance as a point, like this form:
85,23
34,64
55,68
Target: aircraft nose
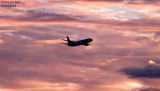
91,39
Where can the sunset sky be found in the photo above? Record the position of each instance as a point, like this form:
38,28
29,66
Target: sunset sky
124,54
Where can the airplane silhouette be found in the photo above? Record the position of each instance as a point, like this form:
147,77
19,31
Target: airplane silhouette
78,43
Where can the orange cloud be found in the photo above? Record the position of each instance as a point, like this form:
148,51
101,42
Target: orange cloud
98,3
1,41
41,85
50,41
7,31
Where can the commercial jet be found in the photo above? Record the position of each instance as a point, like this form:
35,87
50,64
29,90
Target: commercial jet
84,42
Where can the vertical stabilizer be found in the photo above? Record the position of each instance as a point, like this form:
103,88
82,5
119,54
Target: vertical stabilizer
68,40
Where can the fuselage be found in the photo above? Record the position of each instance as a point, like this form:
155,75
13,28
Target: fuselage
80,42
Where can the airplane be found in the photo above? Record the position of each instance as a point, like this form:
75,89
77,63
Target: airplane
78,43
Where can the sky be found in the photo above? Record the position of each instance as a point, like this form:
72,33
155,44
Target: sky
124,54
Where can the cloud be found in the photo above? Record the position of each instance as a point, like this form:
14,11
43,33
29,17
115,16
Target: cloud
149,71
50,41
18,50
125,2
146,2
1,41
150,89
32,58
102,0
59,63
33,15
81,15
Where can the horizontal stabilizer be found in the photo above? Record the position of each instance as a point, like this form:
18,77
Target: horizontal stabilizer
64,39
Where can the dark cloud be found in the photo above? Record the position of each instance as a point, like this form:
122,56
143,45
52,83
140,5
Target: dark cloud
150,89
37,15
150,2
149,71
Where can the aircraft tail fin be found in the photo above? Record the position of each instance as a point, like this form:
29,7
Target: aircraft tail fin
68,40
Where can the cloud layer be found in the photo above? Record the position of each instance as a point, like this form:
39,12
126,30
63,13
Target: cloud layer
150,71
126,37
